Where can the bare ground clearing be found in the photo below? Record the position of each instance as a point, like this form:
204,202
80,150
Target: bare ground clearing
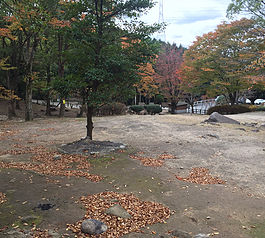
234,153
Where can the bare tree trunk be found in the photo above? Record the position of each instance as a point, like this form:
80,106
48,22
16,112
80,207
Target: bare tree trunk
11,109
30,53
89,125
62,108
11,112
83,107
173,106
28,101
48,99
17,105
48,105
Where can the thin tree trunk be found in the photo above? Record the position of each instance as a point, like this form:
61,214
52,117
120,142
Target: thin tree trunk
48,105
173,106
28,101
11,107
11,112
30,53
83,107
62,108
48,99
89,125
17,105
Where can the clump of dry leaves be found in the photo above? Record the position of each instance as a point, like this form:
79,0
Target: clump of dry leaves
43,162
152,162
142,213
201,176
2,198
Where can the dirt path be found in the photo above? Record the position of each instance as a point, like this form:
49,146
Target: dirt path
234,153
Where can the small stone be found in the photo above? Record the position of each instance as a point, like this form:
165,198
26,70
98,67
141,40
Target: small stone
201,236
93,227
118,210
122,146
94,153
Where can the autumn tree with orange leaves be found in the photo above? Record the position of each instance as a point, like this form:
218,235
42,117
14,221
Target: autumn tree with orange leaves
224,56
147,86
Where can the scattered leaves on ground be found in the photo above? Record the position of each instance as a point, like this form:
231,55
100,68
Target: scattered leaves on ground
153,162
44,162
201,176
142,213
2,198
6,133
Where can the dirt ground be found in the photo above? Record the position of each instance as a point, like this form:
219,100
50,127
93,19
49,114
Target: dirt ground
233,153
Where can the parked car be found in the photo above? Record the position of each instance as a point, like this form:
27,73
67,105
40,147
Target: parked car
259,101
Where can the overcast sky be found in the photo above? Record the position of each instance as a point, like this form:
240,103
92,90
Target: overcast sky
187,19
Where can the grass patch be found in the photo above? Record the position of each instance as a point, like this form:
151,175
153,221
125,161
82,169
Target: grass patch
258,230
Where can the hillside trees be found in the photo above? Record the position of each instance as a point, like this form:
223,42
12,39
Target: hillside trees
223,57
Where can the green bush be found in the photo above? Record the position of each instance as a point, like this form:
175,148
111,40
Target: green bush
136,108
229,109
260,109
153,109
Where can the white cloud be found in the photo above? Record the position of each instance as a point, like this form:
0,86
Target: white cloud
187,19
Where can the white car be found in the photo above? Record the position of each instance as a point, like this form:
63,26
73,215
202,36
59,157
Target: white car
259,101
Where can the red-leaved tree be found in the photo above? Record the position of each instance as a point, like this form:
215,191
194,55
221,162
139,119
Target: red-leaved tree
168,74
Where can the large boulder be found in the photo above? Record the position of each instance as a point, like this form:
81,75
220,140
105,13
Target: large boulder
217,117
93,227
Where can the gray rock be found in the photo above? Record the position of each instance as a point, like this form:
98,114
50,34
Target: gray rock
181,234
122,146
118,211
212,135
93,227
262,126
57,157
216,117
201,236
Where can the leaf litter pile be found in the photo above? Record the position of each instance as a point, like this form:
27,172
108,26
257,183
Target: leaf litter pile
52,163
143,213
201,176
2,198
153,162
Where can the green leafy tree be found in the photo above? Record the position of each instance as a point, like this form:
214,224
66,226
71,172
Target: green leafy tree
254,8
109,45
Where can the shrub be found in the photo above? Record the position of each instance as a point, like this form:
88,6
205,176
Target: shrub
153,109
229,109
260,109
111,109
136,108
